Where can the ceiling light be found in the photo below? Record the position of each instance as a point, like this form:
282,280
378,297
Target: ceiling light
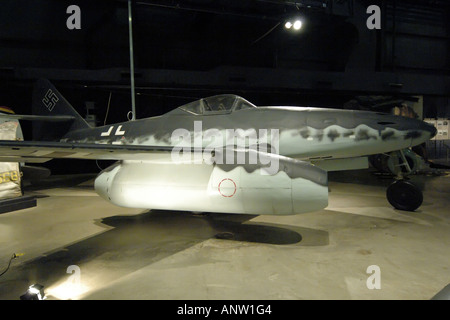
297,25
293,24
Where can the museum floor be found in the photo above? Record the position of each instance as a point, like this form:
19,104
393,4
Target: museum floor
80,247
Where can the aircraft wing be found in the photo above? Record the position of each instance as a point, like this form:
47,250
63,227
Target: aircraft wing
39,152
272,185
43,151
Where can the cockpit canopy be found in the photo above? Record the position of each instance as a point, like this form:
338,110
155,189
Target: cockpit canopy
221,104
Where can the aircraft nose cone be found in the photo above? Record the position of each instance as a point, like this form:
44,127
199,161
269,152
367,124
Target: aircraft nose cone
420,131
430,128
416,130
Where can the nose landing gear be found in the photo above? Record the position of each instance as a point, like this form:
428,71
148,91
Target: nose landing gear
402,194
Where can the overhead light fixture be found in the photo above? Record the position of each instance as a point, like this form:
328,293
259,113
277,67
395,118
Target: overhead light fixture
293,24
297,24
34,292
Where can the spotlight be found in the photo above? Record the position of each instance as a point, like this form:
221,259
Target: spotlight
294,24
297,25
34,292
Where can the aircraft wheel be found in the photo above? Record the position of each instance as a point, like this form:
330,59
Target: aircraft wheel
404,195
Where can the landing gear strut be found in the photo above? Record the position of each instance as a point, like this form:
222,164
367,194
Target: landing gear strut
402,194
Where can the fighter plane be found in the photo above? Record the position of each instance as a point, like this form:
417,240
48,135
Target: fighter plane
218,154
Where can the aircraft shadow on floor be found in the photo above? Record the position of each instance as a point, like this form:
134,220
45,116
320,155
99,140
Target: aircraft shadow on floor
234,227
137,241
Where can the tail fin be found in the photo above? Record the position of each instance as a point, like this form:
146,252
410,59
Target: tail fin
47,101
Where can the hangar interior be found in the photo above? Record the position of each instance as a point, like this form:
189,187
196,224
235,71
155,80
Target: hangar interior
79,246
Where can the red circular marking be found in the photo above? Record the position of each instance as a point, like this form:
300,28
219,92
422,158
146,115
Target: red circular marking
223,195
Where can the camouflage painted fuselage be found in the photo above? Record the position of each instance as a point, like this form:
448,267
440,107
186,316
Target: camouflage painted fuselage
304,133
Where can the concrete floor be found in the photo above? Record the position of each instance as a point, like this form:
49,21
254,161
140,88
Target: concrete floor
80,247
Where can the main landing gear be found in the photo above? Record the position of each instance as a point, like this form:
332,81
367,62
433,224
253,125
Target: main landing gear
402,194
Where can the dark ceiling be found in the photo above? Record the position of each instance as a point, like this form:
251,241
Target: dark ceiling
184,49
191,35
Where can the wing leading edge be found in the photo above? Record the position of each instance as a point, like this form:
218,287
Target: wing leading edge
43,151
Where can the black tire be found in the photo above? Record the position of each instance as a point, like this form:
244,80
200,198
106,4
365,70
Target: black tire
404,195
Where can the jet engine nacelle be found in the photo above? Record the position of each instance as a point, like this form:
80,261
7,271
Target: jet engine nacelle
214,188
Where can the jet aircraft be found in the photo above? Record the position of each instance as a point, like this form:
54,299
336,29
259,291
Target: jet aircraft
189,158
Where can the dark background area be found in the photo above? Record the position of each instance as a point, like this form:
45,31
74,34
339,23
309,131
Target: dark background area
188,49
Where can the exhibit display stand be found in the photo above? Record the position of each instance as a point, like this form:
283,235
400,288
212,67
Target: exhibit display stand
439,146
11,195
